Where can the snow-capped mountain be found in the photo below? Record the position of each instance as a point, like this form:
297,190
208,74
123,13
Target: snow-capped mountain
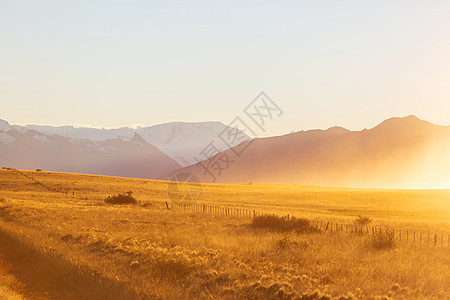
182,141
85,133
186,142
25,148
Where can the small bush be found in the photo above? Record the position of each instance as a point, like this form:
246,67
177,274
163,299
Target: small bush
38,170
282,224
383,240
363,220
121,199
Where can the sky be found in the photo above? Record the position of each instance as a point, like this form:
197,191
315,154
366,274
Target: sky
324,63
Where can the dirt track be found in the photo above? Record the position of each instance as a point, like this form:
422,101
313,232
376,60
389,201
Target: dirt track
37,277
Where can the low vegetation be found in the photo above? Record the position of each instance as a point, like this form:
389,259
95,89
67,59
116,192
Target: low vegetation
283,224
363,220
126,198
383,239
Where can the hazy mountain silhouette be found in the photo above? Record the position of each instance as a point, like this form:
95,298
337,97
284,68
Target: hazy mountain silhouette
399,152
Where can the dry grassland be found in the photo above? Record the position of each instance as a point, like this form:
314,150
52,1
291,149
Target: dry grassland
60,240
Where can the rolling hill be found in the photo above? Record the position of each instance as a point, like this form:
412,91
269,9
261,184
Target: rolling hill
399,152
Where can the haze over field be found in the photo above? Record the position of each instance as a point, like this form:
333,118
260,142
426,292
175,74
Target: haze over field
398,153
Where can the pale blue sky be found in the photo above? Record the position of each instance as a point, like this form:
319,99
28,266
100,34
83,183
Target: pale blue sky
325,63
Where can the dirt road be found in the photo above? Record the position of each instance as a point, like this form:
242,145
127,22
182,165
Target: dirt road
34,276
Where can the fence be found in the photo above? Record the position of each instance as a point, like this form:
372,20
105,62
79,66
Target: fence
406,236
217,210
35,181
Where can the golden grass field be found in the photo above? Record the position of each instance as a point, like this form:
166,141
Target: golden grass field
59,240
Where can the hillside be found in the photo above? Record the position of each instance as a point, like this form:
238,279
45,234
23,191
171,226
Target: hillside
399,152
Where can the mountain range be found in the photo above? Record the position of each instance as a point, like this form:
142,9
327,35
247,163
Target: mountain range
399,152
145,152
181,141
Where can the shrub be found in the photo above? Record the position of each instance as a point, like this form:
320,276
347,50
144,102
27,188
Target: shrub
363,220
126,198
38,170
282,224
383,240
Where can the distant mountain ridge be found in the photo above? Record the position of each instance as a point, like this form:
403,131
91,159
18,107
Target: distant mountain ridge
144,152
30,149
181,141
399,152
